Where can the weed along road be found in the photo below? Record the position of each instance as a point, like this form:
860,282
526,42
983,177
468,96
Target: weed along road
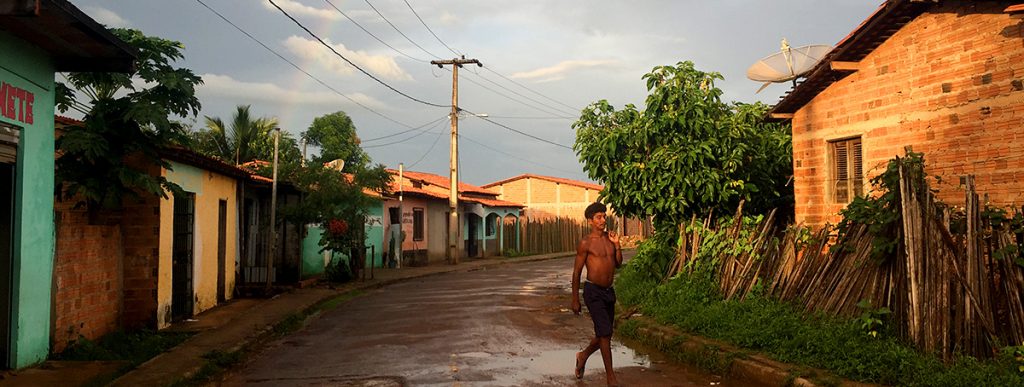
508,325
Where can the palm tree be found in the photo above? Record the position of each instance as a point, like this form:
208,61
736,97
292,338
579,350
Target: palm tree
245,140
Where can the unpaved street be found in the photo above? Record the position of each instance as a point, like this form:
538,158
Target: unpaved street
504,326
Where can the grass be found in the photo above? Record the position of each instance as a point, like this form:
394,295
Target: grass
786,334
133,348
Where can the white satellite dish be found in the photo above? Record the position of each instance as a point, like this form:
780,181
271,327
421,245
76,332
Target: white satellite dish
788,64
336,165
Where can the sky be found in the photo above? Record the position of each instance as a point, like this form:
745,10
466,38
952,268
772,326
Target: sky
544,61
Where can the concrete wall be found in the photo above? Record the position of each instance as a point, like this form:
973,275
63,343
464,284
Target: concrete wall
949,83
27,68
209,189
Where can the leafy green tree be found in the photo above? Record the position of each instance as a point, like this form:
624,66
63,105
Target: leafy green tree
687,153
127,115
335,134
245,139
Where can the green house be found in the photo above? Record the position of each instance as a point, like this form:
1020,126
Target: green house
37,40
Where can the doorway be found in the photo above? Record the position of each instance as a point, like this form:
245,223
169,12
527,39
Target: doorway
222,241
8,169
182,257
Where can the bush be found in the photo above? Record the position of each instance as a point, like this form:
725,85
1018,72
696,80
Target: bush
339,271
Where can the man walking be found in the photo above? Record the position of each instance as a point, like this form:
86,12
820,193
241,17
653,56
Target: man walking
599,251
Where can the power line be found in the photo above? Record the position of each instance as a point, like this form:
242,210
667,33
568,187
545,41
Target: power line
517,131
404,131
422,132
514,156
531,90
399,31
322,42
527,118
311,76
439,135
371,34
431,31
552,113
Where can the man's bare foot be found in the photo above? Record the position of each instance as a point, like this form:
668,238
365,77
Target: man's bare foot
613,381
581,364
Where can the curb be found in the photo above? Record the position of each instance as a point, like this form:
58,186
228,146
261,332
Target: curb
311,311
739,364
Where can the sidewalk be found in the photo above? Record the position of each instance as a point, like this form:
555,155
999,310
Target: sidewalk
234,325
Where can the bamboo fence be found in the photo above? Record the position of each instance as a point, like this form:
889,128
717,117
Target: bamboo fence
948,293
543,236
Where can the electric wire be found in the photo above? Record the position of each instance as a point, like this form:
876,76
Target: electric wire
428,29
547,105
400,31
463,137
311,76
552,113
372,35
422,132
517,131
436,139
322,42
531,90
404,131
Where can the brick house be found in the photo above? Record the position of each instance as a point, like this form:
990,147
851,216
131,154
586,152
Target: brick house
151,261
549,197
944,77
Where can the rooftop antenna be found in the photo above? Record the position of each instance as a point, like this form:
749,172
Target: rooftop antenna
788,64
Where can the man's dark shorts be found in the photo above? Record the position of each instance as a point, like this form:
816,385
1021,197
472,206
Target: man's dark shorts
601,304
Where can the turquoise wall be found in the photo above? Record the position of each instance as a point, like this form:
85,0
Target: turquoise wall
375,234
28,68
313,259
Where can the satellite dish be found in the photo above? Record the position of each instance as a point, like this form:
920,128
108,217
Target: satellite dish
788,64
336,165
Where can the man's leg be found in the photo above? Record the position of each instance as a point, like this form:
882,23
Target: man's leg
582,356
606,354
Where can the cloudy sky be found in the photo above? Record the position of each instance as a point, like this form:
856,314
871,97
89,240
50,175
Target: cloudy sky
543,62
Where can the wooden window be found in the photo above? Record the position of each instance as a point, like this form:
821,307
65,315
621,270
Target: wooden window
417,224
847,169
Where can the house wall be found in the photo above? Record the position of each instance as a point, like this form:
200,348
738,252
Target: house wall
545,199
141,230
437,220
88,277
209,189
30,69
949,83
313,261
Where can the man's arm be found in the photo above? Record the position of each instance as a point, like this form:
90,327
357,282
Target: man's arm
614,238
577,270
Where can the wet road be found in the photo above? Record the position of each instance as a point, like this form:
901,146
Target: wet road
503,326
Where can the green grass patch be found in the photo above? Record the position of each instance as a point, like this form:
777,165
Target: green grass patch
782,332
135,347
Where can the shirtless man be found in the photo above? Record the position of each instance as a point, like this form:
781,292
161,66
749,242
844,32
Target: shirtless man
599,251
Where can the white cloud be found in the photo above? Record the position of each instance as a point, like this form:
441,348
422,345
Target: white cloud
313,51
447,19
225,86
106,17
296,8
558,71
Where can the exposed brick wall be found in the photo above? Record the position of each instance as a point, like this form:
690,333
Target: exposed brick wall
141,228
87,275
949,84
545,199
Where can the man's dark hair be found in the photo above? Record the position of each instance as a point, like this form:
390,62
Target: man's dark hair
594,208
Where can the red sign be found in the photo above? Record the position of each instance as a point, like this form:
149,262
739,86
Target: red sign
16,103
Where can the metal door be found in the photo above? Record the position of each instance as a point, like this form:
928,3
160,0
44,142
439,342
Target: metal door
8,158
182,298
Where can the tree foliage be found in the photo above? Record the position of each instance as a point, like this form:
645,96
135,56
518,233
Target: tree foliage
127,115
335,134
244,139
687,153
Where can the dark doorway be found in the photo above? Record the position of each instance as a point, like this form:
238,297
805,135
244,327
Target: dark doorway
6,257
222,241
471,225
182,257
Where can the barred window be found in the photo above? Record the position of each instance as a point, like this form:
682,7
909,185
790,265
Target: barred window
847,169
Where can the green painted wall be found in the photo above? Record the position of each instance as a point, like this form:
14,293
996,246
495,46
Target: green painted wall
28,68
312,258
375,234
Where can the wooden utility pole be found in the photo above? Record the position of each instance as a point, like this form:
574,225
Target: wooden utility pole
273,212
453,195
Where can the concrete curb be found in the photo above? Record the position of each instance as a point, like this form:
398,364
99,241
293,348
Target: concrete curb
740,365
186,360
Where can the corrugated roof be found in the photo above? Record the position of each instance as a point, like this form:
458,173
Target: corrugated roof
889,18
560,180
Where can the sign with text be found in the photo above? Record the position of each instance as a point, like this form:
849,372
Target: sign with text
16,103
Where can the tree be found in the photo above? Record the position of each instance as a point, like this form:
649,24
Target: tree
335,134
245,139
127,115
687,153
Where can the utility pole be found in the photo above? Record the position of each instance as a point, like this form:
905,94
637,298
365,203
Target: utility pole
453,195
273,212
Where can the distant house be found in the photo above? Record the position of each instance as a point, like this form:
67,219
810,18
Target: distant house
37,40
944,77
423,216
255,197
548,197
314,261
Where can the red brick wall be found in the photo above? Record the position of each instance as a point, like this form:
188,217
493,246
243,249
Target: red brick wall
141,227
949,84
87,298
543,199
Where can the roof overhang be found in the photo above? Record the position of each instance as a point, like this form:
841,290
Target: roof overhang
76,42
844,59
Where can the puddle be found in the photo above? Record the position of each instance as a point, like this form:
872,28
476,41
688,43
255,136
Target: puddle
516,369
